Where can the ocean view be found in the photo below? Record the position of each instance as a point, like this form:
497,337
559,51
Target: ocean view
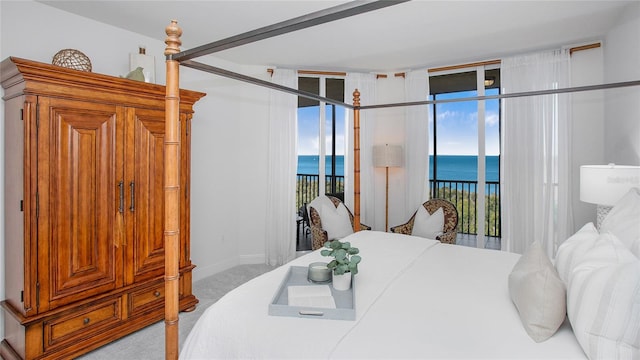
450,167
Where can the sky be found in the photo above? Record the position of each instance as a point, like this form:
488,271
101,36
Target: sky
456,131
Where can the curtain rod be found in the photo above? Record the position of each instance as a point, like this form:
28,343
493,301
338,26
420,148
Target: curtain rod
498,61
584,47
301,22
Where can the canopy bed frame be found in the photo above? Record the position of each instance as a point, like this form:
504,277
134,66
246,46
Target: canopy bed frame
175,58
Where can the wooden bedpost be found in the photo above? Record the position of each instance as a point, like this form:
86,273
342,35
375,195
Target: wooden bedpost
172,193
356,160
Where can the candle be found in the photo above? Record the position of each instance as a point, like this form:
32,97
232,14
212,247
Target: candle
318,272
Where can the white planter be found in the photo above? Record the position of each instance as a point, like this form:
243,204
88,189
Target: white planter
341,282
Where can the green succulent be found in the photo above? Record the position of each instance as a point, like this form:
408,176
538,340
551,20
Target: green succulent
344,257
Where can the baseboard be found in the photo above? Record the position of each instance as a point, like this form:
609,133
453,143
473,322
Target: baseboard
201,272
252,259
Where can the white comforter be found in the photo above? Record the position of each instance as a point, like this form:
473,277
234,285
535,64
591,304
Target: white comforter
415,298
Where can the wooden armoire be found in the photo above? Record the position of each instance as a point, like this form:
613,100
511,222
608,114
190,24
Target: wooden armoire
84,214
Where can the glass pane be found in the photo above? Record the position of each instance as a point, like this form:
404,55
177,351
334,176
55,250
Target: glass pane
308,140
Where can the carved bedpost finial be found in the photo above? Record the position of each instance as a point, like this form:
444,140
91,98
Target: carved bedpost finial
173,38
356,97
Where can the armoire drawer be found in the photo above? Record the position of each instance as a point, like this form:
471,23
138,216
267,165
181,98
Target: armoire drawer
82,323
149,298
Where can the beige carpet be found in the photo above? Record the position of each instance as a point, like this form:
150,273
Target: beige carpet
148,343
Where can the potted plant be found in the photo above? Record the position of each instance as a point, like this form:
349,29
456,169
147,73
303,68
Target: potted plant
344,264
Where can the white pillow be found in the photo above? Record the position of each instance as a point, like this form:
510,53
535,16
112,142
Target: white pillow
428,225
624,218
318,202
603,301
571,250
335,221
538,293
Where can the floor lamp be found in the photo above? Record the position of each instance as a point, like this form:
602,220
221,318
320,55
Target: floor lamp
387,156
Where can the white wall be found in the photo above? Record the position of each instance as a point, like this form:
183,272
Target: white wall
622,106
229,171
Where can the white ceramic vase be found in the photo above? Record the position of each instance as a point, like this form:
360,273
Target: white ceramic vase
341,282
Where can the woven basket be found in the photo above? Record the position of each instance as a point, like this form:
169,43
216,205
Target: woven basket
72,59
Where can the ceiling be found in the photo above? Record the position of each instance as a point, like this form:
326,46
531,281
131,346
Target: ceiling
410,35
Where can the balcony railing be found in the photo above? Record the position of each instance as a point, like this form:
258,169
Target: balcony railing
307,187
462,193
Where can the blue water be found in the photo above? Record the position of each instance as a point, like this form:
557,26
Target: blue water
450,167
309,164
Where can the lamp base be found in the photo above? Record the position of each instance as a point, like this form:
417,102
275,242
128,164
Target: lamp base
601,211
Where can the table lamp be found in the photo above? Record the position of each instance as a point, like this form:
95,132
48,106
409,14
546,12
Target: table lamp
604,185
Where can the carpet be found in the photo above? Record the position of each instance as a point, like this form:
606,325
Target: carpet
148,343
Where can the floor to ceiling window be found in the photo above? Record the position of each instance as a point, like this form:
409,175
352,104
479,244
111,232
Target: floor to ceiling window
321,135
465,150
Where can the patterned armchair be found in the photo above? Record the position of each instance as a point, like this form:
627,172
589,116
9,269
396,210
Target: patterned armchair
319,235
450,220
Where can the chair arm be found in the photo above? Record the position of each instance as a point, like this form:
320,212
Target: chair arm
365,227
402,229
318,236
448,238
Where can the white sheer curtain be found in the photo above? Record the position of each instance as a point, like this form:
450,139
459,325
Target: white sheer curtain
416,148
366,85
280,245
536,150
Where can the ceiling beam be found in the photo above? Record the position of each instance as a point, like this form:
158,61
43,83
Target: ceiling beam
316,18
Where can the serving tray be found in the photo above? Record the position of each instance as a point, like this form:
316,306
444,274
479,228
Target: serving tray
297,275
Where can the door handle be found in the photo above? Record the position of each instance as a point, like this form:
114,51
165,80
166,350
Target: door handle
121,190
132,189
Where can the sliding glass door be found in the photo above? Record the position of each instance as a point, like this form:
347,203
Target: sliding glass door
464,150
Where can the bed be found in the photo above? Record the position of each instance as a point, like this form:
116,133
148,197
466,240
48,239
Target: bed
420,298
416,298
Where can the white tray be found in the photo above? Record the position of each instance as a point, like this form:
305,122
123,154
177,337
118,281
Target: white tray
297,275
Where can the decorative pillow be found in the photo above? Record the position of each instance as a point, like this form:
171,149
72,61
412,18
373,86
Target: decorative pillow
571,250
538,293
428,225
624,218
603,301
317,204
335,221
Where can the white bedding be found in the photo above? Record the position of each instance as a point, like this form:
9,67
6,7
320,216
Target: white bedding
415,298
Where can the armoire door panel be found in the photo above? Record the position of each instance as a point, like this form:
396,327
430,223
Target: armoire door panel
146,206
83,197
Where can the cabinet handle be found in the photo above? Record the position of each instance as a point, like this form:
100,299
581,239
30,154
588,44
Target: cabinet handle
157,293
121,188
132,188
86,321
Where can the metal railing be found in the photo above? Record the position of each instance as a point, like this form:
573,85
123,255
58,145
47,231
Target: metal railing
462,193
307,187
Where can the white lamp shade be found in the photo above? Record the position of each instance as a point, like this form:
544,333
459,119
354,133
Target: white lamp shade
387,155
606,184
